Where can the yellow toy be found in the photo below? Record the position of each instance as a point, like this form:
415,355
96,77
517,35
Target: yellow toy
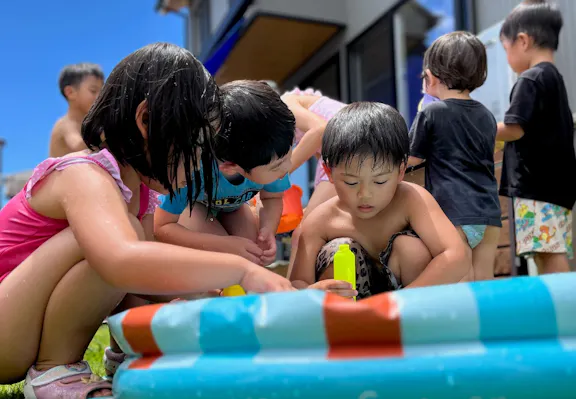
345,265
234,290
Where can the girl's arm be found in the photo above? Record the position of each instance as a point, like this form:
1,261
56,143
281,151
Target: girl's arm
101,223
313,126
450,255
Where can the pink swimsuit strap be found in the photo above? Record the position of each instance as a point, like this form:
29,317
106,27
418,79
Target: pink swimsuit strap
102,158
324,107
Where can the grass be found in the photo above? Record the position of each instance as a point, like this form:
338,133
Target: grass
93,355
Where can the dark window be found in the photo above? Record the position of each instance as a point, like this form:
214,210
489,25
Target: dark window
371,64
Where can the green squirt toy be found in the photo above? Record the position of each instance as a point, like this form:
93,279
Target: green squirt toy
345,265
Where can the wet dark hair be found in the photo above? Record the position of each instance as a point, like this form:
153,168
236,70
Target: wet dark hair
458,60
537,19
366,129
257,125
73,75
183,105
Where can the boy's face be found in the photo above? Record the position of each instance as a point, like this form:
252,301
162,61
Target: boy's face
517,53
263,174
84,95
364,187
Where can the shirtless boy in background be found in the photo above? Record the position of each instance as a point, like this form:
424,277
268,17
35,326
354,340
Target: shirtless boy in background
80,85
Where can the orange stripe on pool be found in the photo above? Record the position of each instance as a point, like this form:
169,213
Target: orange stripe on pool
137,330
365,329
143,363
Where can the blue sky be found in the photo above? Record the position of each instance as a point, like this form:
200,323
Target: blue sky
39,37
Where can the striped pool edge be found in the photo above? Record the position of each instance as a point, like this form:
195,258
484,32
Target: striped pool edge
388,325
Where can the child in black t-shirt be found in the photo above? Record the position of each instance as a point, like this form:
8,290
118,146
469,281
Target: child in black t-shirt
456,137
539,132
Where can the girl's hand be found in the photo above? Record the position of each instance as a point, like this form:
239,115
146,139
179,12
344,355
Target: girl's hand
259,279
246,248
338,287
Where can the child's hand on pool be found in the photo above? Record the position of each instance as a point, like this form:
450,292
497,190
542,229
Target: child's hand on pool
246,248
267,242
260,279
338,287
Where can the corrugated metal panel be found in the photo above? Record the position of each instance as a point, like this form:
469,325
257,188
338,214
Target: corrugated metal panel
489,12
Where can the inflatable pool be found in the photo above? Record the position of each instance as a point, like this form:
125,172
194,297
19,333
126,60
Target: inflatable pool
505,339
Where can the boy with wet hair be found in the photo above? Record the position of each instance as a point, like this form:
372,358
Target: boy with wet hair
399,234
253,150
456,137
80,85
538,129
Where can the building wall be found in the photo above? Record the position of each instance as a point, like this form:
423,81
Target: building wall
323,10
358,17
362,14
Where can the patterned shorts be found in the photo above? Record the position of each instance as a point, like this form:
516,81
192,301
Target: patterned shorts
542,227
371,278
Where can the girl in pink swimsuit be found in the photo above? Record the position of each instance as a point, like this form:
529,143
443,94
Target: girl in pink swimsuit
78,237
312,111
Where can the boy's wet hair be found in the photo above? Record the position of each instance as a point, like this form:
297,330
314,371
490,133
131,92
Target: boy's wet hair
183,107
537,19
73,75
366,130
257,126
458,60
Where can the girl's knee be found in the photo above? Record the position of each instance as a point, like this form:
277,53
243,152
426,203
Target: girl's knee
137,225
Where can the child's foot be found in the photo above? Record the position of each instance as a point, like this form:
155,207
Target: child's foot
112,360
74,381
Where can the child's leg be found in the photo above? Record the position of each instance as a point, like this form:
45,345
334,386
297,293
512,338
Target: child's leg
52,304
240,223
198,222
544,230
484,254
408,257
551,263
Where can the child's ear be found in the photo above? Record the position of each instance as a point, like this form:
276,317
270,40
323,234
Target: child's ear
431,80
69,92
142,118
402,171
524,41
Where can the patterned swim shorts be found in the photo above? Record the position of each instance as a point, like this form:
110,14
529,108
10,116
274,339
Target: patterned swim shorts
542,227
371,278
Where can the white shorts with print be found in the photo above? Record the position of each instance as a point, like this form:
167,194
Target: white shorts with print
542,227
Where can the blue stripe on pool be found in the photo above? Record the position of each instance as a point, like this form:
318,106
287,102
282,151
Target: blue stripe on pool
438,314
515,309
562,288
282,324
175,325
227,324
527,370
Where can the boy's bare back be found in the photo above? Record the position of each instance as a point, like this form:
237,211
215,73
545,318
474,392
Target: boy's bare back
66,137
